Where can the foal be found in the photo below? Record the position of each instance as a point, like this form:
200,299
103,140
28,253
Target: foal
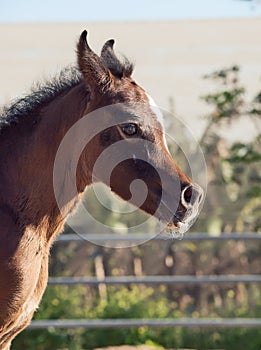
31,131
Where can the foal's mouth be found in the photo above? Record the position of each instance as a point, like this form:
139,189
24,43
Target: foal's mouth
172,219
177,227
180,220
176,224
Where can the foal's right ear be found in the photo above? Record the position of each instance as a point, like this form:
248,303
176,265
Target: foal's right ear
96,74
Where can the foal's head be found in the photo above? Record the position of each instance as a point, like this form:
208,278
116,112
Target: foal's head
134,146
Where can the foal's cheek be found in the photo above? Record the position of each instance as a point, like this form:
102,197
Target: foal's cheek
108,137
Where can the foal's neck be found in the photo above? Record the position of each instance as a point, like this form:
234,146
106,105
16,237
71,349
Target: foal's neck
31,165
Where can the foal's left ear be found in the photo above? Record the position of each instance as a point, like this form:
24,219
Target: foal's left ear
96,74
118,68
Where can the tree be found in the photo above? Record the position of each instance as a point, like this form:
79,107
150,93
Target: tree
234,191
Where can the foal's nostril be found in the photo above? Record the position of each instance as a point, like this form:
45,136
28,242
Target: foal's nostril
187,194
191,195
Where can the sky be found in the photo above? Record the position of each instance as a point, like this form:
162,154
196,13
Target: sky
124,10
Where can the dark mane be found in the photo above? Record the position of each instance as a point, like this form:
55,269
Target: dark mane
41,94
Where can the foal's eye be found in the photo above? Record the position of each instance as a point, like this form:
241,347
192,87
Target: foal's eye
129,129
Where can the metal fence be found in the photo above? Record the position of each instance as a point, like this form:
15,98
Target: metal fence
160,279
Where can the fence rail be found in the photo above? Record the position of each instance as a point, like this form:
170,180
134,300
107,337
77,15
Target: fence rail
96,238
131,323
128,323
156,280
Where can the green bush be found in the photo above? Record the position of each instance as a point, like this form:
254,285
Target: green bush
134,302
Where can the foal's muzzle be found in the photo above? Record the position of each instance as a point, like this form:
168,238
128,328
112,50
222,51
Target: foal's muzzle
191,198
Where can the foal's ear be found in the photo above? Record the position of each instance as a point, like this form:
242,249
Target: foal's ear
96,74
117,67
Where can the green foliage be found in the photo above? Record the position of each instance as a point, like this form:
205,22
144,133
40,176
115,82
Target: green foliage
233,202
240,152
229,99
132,302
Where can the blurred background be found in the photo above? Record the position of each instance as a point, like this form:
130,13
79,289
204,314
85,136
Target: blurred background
201,60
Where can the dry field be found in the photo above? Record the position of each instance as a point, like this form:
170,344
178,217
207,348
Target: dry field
170,57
